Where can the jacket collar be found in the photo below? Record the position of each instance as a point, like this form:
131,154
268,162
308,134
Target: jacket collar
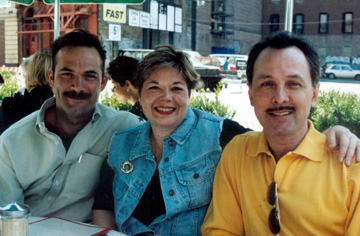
142,143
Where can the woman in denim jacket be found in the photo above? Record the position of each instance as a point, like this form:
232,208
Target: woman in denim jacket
163,170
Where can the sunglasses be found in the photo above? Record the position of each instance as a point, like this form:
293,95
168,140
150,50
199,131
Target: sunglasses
274,215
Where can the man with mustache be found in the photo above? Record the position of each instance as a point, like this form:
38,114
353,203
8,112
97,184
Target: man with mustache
284,179
50,160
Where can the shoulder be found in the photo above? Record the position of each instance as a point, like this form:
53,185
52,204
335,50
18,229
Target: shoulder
207,116
133,132
13,104
40,92
245,140
130,142
230,129
23,128
115,117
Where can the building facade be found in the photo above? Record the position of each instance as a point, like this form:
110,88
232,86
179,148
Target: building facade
28,29
332,26
206,26
9,43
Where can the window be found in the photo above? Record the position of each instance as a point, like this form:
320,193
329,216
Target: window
274,23
205,61
323,23
298,26
347,23
345,68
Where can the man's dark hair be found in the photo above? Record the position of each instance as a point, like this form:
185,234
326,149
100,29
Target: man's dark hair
281,40
123,68
78,38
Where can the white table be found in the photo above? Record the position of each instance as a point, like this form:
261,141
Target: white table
41,226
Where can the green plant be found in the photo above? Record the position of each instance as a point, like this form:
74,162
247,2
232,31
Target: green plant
10,86
335,108
212,106
111,101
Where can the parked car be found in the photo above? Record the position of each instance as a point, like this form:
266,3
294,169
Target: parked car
342,71
232,58
212,61
138,54
210,75
192,53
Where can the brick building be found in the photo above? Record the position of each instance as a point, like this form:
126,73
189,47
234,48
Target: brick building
28,29
230,26
207,26
333,26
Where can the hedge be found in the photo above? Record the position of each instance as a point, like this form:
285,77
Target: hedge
337,108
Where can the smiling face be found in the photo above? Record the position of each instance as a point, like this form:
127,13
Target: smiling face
165,99
282,92
77,81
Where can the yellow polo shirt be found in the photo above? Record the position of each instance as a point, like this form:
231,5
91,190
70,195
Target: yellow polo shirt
317,194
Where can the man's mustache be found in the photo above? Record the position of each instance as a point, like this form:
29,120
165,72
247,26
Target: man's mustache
76,95
280,109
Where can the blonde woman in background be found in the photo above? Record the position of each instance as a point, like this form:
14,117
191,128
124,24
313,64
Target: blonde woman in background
36,92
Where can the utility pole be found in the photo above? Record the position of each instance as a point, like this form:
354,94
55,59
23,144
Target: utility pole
289,15
193,24
56,19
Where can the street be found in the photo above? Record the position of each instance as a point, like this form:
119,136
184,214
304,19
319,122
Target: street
237,98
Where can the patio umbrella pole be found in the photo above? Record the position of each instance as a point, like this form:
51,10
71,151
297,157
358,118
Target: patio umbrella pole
56,19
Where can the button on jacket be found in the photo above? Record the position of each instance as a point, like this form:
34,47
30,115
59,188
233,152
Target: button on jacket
187,168
35,168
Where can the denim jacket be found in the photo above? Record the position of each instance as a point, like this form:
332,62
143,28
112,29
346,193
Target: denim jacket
187,168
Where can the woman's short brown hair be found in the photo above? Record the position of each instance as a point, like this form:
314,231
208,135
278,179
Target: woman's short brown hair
167,56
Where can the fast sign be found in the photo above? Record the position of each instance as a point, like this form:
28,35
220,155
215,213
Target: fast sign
114,14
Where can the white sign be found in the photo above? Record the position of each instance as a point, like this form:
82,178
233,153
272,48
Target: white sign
154,11
114,32
170,18
178,28
162,21
178,16
134,18
178,19
4,3
144,20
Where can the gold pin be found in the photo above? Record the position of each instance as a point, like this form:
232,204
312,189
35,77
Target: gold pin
127,167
